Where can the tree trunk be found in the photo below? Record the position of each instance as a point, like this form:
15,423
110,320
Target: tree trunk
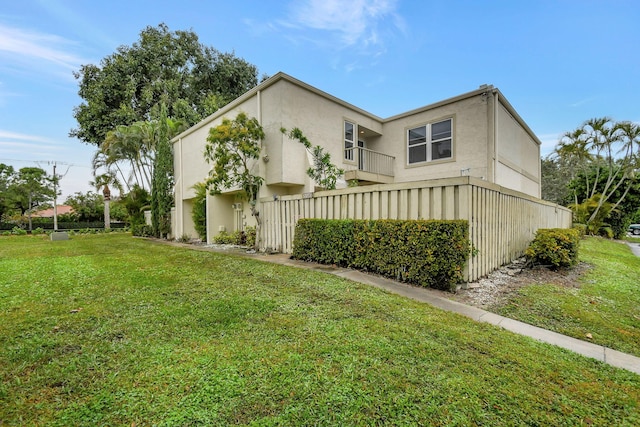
106,193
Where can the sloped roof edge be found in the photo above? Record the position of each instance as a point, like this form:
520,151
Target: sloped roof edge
283,76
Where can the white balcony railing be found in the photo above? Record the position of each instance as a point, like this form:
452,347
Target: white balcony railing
369,161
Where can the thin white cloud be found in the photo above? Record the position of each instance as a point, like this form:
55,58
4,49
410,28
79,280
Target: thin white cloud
8,135
582,102
30,50
362,24
13,143
19,147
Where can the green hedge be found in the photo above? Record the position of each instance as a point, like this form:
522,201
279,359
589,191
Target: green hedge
48,225
554,247
423,252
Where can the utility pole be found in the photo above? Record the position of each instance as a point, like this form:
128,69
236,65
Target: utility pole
55,199
55,192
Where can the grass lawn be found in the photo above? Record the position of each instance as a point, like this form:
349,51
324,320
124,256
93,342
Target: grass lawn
111,330
606,304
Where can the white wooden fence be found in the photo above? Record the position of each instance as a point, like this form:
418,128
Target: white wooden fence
502,222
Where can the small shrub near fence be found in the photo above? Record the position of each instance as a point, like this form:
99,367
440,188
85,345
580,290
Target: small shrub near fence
554,247
141,230
427,253
239,238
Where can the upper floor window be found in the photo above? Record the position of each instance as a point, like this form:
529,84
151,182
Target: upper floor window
430,142
349,140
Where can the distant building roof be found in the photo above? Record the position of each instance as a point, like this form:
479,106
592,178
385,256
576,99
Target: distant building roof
48,213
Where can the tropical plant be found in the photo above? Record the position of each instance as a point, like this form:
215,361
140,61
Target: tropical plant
583,213
199,212
323,172
611,150
136,201
233,148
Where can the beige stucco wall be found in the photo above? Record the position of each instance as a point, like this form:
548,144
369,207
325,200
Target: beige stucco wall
469,141
478,127
518,165
320,119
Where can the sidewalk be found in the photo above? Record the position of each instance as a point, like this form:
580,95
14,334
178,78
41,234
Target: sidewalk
429,296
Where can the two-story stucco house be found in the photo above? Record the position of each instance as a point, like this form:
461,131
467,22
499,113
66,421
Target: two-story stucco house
477,134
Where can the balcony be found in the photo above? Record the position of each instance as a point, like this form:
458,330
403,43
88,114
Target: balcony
368,167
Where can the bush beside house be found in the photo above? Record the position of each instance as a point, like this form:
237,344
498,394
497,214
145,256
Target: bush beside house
427,253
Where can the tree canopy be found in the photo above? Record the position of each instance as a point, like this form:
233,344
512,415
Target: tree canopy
193,80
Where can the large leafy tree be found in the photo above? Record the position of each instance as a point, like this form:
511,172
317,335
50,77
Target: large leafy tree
555,176
87,206
233,148
192,79
31,188
7,178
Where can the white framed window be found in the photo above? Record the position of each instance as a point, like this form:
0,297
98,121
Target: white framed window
433,141
349,140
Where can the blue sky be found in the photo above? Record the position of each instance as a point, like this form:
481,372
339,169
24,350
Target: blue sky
559,62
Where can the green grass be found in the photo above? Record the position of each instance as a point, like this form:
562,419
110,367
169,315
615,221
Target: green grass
111,330
605,305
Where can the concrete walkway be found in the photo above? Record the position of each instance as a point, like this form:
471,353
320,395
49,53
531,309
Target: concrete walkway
434,298
635,248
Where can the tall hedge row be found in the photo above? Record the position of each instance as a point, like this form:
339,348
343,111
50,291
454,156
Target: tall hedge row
427,253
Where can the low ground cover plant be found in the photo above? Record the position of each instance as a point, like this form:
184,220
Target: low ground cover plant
111,330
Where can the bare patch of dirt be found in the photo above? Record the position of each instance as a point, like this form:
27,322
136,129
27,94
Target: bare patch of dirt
497,287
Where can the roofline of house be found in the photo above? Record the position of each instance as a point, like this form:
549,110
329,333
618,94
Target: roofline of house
262,86
283,76
503,100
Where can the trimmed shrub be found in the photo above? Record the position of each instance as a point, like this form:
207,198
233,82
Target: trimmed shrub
237,238
17,231
141,230
423,252
554,247
324,241
581,228
250,236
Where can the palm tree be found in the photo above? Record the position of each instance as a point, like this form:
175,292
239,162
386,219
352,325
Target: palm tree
573,151
134,145
102,182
